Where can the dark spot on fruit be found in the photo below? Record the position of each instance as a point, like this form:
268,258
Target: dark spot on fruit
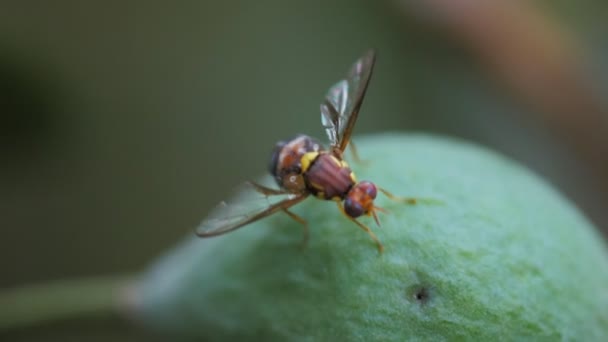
420,294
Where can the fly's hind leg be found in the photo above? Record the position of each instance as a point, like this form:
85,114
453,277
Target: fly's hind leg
355,153
269,191
365,229
299,219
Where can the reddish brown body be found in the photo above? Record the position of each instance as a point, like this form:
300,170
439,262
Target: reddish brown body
328,178
286,162
302,166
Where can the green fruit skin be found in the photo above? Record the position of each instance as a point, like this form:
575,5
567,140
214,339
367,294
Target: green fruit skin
497,254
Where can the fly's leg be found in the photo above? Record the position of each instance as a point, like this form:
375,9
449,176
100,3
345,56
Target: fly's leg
406,200
410,200
299,219
364,227
266,190
355,153
371,234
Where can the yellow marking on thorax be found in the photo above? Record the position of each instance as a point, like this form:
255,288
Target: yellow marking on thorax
307,159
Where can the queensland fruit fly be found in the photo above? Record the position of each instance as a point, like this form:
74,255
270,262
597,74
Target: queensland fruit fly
301,166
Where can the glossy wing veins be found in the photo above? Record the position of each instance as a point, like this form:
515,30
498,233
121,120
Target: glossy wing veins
343,101
252,203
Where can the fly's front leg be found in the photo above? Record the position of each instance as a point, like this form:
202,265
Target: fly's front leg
411,200
407,200
364,227
266,190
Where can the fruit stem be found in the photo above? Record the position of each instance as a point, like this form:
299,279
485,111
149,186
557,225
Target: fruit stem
36,304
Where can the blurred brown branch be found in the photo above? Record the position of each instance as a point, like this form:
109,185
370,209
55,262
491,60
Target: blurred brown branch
537,60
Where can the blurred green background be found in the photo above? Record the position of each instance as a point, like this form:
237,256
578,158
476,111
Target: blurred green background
123,123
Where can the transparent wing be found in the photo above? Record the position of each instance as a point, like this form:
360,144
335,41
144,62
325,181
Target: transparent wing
252,203
343,101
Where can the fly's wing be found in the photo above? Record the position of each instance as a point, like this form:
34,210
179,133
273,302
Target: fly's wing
343,101
252,203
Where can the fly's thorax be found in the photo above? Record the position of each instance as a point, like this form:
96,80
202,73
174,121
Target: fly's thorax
308,159
286,161
327,176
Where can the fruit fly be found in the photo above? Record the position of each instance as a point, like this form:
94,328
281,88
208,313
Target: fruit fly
302,167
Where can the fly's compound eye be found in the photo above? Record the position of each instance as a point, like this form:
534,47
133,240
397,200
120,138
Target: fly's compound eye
353,208
369,188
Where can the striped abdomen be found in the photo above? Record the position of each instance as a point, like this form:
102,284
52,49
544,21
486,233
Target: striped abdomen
326,176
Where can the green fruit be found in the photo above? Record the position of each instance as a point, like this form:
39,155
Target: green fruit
496,254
